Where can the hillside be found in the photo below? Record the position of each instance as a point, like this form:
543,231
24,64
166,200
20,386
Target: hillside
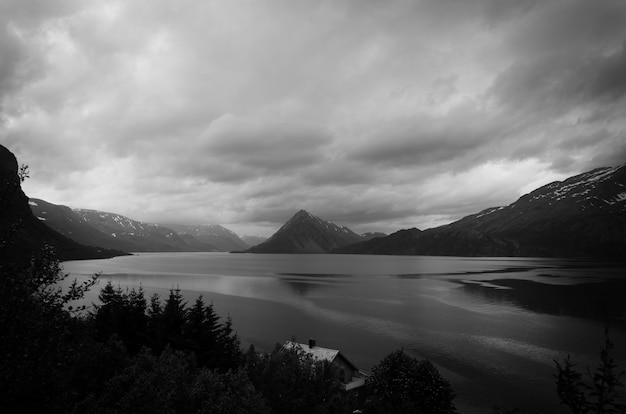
67,222
253,240
22,235
305,233
583,216
145,237
219,237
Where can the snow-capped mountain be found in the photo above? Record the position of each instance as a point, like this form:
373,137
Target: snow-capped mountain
145,237
67,222
306,233
215,235
584,215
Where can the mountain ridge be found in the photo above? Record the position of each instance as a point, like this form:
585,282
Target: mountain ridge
216,235
582,216
113,230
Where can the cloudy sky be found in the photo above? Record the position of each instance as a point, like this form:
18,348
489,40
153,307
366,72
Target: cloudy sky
378,115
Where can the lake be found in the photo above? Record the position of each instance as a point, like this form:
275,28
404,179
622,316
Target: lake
493,326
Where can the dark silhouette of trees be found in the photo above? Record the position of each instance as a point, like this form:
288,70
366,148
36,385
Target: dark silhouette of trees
403,384
123,314
599,394
292,382
39,338
199,330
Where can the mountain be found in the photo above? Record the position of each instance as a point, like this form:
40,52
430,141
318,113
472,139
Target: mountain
252,240
67,222
145,237
22,235
305,233
583,216
219,237
110,230
372,235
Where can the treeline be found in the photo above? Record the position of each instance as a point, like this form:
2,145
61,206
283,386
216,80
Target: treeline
131,354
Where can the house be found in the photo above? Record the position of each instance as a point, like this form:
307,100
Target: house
349,374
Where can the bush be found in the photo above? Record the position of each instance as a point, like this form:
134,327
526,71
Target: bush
292,382
403,384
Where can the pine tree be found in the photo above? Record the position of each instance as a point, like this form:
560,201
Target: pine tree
600,393
173,319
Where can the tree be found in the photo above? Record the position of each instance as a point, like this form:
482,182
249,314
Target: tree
149,384
231,392
599,394
292,382
173,318
403,384
39,339
122,313
202,333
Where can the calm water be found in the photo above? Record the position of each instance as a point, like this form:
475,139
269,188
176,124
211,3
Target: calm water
492,326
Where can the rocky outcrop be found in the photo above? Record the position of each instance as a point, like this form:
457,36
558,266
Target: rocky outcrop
22,235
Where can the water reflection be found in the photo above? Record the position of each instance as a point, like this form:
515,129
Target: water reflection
601,300
304,284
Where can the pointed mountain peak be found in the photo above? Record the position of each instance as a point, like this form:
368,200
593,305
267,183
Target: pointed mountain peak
302,213
306,233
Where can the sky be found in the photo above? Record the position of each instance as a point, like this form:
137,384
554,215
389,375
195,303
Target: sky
378,115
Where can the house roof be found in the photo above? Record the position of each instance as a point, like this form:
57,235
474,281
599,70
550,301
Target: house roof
319,353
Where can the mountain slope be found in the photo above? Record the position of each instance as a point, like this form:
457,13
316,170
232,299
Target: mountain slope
583,216
147,237
22,235
253,240
110,230
219,237
305,233
67,222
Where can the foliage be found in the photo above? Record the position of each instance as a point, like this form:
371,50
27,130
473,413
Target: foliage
292,382
23,173
39,339
403,384
213,392
126,315
122,314
599,394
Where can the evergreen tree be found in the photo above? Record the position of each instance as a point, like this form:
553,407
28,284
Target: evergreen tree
39,339
597,395
229,350
173,319
122,313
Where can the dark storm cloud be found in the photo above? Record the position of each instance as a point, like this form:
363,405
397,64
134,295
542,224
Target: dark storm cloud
432,140
557,83
610,77
265,147
340,171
